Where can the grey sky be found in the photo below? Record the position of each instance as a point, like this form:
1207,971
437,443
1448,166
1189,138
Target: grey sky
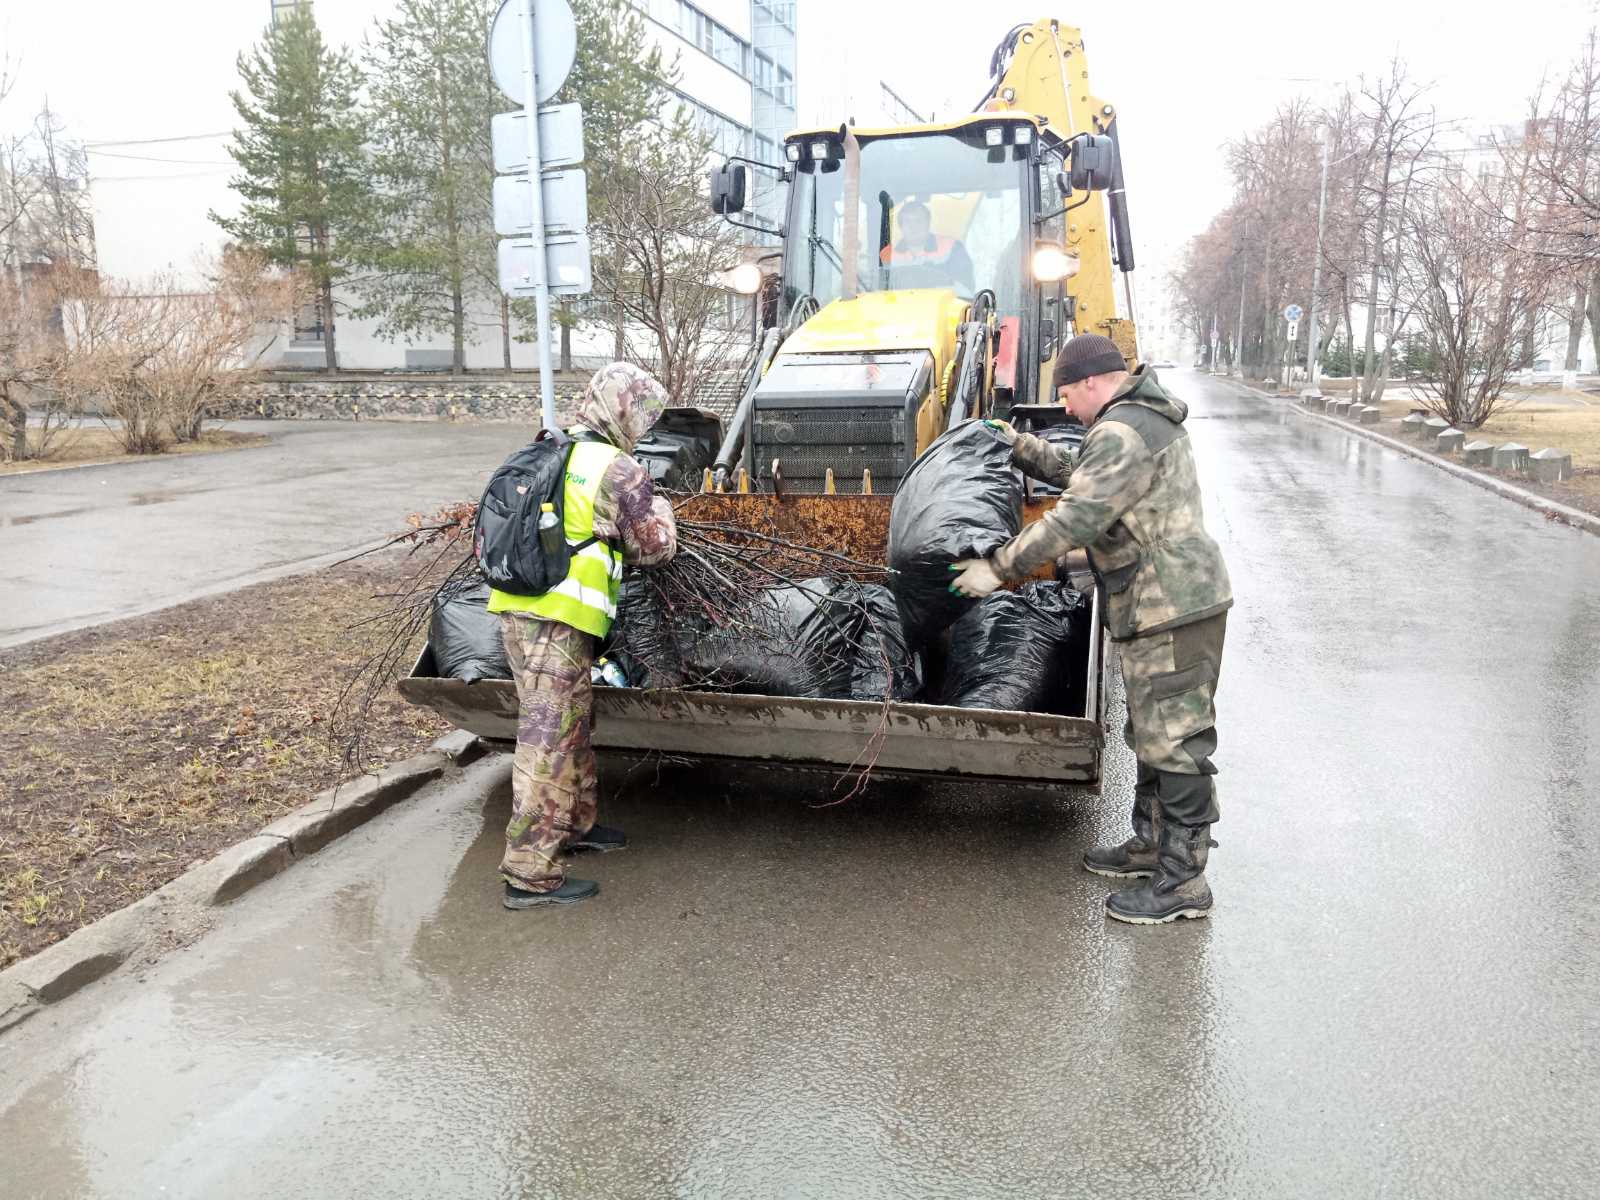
1184,76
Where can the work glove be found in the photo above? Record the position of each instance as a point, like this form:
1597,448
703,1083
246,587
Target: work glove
1003,428
977,578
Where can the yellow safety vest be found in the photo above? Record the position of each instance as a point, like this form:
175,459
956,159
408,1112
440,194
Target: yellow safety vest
587,598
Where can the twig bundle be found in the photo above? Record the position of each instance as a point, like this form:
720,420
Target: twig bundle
736,608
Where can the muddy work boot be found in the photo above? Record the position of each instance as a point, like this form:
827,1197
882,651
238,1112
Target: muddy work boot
570,892
599,838
1179,887
1134,858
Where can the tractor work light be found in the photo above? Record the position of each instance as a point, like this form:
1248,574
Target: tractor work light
1052,263
995,135
821,149
1024,135
792,151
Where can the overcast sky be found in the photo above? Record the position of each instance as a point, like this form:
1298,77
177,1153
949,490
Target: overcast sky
1185,77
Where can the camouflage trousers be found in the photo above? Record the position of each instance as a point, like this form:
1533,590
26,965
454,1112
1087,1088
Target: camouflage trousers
553,785
1171,683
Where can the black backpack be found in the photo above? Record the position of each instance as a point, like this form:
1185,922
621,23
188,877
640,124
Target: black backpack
506,535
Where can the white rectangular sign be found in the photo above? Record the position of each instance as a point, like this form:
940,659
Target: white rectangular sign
566,203
560,138
566,259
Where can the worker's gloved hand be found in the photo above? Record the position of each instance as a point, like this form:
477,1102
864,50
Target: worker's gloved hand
1003,428
977,578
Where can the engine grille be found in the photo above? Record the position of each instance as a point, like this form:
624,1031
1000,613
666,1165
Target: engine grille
809,441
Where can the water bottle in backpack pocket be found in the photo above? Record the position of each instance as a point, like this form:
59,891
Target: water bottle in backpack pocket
518,551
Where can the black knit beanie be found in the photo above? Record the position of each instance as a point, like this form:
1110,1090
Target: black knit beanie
1085,355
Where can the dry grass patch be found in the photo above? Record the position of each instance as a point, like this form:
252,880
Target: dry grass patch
132,751
85,447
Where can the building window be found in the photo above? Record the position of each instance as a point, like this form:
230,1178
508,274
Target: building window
711,37
779,12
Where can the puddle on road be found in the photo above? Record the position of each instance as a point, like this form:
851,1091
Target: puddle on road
46,516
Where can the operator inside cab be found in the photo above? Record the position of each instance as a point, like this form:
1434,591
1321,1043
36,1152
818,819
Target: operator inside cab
922,258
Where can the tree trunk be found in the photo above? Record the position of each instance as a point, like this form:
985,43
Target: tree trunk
458,330
1269,320
329,349
505,329
1594,316
1369,375
619,344
17,413
1575,328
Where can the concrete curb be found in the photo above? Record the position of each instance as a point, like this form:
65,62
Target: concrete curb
176,913
141,458
1552,509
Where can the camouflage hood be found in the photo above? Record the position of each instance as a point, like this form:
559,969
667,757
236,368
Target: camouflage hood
1143,388
621,404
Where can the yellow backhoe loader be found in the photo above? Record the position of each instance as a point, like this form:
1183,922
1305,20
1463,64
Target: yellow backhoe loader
927,275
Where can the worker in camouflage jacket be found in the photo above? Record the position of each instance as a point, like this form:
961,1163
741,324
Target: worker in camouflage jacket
1132,499
551,639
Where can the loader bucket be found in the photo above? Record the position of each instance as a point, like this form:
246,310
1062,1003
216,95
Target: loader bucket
899,739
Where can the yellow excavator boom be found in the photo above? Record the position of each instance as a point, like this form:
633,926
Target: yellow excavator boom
1047,74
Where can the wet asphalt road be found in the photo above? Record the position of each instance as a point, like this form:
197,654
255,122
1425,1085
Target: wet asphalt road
91,544
916,995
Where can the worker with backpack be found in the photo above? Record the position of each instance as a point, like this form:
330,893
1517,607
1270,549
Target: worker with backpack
555,526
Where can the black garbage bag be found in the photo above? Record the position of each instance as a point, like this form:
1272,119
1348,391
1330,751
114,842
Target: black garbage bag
960,500
466,637
649,645
1020,651
818,639
773,646
882,664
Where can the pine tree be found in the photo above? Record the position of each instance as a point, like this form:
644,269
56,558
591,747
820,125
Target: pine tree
299,150
628,94
429,248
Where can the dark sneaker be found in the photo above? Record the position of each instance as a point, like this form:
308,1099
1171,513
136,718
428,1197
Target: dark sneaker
1133,859
600,838
570,892
1178,890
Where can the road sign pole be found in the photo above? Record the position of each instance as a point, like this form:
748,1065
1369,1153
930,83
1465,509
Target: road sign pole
541,270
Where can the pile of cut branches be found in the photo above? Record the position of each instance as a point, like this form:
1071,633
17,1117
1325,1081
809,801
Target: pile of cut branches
736,609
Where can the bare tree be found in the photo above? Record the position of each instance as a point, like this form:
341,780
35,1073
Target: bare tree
1402,132
46,256
669,250
1564,162
156,357
29,359
1276,173
1478,290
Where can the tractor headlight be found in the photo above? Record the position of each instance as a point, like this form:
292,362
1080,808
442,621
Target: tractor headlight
1052,263
745,279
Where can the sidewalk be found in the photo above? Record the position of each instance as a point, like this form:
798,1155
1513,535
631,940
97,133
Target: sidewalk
1550,506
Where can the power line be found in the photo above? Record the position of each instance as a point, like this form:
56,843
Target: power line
187,137
188,162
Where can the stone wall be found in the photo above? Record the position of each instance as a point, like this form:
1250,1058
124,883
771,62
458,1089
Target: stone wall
392,398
